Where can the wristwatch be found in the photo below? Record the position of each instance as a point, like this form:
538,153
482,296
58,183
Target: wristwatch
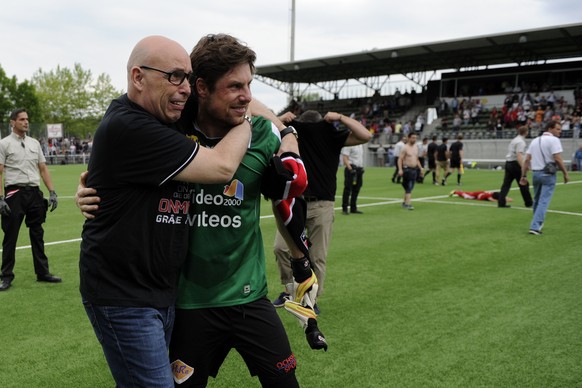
287,131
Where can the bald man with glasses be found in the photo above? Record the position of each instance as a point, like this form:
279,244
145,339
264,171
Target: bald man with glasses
135,240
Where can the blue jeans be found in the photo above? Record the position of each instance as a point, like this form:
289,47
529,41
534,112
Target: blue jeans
544,185
135,342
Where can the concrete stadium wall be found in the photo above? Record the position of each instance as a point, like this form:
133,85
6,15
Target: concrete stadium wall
488,153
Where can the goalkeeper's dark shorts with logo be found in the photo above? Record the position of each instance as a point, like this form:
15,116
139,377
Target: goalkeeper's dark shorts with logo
202,338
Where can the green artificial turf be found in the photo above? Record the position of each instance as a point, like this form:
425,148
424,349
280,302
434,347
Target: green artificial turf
452,294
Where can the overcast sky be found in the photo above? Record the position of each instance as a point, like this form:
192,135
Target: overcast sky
99,35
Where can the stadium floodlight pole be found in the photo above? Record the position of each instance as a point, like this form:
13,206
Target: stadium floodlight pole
292,44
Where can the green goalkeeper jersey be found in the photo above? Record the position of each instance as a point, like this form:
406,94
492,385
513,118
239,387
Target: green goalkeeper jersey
225,265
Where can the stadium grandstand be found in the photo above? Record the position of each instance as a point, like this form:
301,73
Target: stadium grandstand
482,87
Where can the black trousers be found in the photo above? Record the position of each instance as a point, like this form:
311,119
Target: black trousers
26,203
513,172
352,184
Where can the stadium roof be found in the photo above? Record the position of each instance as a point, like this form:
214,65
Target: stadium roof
520,47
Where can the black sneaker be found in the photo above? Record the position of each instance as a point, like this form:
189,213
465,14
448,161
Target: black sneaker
280,301
5,285
49,278
535,232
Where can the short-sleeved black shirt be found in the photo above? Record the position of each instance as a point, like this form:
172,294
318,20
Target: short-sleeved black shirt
455,149
441,152
320,145
432,147
132,250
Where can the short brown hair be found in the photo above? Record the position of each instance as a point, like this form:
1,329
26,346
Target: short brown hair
216,54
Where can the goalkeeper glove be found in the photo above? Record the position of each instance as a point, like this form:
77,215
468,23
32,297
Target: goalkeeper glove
308,320
53,202
4,208
305,283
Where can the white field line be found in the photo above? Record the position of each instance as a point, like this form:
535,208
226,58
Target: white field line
382,202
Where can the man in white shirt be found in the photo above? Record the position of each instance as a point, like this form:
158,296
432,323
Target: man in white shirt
542,151
353,159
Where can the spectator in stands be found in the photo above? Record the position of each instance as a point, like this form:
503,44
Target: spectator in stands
499,129
455,105
475,111
551,100
543,150
457,123
566,122
442,156
513,165
398,128
456,153
419,125
466,115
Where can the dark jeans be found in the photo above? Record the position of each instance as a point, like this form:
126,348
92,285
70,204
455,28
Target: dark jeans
135,342
353,181
409,179
513,172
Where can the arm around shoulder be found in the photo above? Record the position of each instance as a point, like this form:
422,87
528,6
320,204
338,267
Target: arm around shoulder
218,164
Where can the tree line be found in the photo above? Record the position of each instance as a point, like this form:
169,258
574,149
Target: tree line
72,97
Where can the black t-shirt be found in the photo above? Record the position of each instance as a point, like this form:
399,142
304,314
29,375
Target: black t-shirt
431,150
442,152
320,145
132,250
455,149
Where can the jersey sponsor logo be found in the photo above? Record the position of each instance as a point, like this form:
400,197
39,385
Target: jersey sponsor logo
232,195
235,189
171,211
181,371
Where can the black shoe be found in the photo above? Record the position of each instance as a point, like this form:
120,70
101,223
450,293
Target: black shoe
356,212
535,232
48,278
5,285
503,205
345,213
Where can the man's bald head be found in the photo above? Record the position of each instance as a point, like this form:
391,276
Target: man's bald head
155,51
150,67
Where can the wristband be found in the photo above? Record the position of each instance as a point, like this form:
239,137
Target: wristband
289,130
301,269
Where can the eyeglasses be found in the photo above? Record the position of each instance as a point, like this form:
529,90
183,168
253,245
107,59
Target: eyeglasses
175,77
